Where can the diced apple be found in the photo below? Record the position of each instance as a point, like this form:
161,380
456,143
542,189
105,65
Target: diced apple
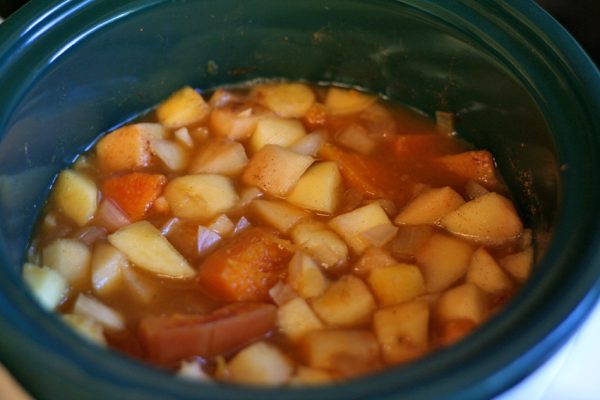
222,225
140,287
223,157
128,147
443,261
429,207
106,316
402,331
107,268
373,257
291,100
355,137
174,155
276,170
310,144
486,273
184,107
200,196
247,195
87,327
346,352
47,286
519,264
319,189
323,245
490,219
144,245
233,124
260,364
305,276
344,101
76,196
464,302
350,225
281,293
346,302
396,284
279,215
279,131
70,258
310,376
379,235
295,318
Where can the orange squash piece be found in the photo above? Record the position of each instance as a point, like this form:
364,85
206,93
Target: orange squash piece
134,193
424,145
475,166
247,267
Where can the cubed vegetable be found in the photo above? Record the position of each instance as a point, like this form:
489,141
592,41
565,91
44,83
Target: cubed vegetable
323,245
326,177
396,284
486,273
260,364
466,302
134,193
278,131
373,257
104,315
70,258
76,196
47,285
342,102
224,157
184,107
429,207
174,155
107,268
355,137
233,124
519,264
475,165
305,276
292,100
278,214
295,318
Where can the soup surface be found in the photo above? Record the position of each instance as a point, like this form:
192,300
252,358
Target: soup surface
279,233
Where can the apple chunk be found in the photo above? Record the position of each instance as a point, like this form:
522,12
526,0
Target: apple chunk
70,258
490,219
402,331
223,157
519,264
323,245
465,302
201,196
396,284
276,170
486,273
184,107
280,131
429,207
47,285
305,276
343,101
144,245
295,318
260,364
76,196
292,100
319,189
279,215
107,268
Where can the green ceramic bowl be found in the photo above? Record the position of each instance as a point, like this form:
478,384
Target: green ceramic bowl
522,87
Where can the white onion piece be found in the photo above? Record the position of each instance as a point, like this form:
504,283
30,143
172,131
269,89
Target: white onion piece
310,144
110,216
207,239
281,293
356,138
106,316
247,195
90,234
183,136
222,225
168,226
409,240
380,235
241,225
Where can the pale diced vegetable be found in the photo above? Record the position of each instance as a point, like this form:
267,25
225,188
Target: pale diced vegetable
278,131
138,286
207,240
247,195
233,124
409,240
346,302
128,147
396,284
70,258
356,137
379,235
310,376
323,245
182,135
309,145
486,273
327,178
281,293
464,302
350,225
305,276
276,170
222,225
200,196
87,327
46,285
144,245
192,370
174,155
222,157
519,264
489,219
110,216
474,190
260,364
76,196
429,207
373,257
295,318
342,102
443,261
278,214
184,107
346,352
291,100
104,315
402,331
107,268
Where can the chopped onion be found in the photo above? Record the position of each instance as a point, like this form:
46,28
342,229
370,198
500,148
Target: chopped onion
168,226
247,195
110,216
380,235
138,285
172,154
281,293
183,136
373,257
388,206
106,316
89,234
474,190
310,144
222,225
409,240
207,240
241,225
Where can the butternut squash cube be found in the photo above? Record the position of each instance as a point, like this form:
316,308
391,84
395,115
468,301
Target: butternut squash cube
490,219
350,225
276,170
443,261
295,318
279,131
47,285
429,207
144,246
346,302
396,284
344,101
464,302
279,215
76,196
323,245
222,157
201,197
70,258
319,189
486,273
305,276
184,107
260,364
290,100
402,331
519,264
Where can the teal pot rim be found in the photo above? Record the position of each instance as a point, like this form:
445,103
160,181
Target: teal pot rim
36,347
